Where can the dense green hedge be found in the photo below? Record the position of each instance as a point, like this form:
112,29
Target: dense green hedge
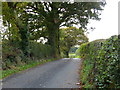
39,50
13,56
100,67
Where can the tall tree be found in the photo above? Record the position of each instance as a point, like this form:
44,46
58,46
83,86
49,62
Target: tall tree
57,14
52,15
17,29
70,37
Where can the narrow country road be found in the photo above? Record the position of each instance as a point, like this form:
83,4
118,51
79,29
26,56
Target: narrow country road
62,73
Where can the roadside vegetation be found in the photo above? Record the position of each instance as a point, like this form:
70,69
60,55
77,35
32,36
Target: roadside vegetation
24,66
14,60
69,37
100,63
33,32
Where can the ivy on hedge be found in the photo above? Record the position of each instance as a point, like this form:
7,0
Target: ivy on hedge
101,56
109,70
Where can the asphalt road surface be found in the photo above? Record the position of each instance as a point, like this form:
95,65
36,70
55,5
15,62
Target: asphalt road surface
62,73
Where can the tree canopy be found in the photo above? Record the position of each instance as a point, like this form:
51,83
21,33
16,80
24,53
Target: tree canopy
32,20
71,36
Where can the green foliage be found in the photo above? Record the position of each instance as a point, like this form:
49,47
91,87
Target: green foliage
100,67
22,67
82,50
13,55
43,19
73,49
108,64
88,52
72,55
39,50
69,37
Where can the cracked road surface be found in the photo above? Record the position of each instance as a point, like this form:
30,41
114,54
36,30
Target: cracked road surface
63,73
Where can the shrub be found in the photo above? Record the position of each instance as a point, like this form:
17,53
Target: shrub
82,50
13,56
39,50
109,70
100,63
88,52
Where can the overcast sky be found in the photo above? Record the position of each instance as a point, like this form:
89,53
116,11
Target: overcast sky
108,25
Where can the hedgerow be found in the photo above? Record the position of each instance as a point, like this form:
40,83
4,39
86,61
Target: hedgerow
39,50
108,60
100,67
13,56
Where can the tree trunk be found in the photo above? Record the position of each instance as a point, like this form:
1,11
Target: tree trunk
53,39
67,54
58,42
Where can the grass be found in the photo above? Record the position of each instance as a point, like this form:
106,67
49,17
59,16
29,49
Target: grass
72,55
6,73
86,68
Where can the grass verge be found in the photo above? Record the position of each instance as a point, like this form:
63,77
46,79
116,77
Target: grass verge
86,67
22,67
72,55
